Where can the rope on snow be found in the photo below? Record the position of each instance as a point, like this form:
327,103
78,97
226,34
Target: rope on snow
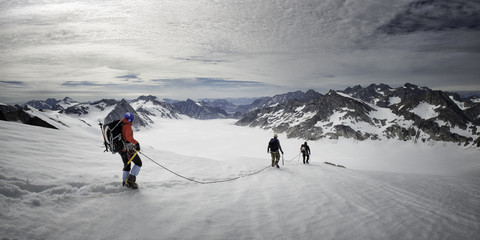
205,182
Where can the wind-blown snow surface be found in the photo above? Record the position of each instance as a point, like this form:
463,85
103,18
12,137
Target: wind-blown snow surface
58,184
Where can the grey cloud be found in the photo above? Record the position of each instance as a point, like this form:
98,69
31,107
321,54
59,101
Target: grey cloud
81,83
12,82
435,15
129,76
207,83
243,47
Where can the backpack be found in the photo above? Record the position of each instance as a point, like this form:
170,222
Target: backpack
112,136
303,149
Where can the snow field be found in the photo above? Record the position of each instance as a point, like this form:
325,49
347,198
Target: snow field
58,184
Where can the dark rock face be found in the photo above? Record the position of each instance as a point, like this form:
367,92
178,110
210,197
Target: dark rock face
199,110
473,113
120,109
80,109
16,114
400,133
38,104
371,93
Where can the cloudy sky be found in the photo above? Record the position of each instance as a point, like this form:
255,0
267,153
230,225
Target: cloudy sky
90,49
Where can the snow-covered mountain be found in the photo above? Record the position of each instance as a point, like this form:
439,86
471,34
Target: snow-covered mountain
266,102
230,101
200,110
224,104
87,108
149,107
120,109
375,112
51,104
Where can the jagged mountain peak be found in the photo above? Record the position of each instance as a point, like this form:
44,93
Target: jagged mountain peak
378,111
200,110
282,98
51,101
150,107
67,99
106,102
146,98
120,109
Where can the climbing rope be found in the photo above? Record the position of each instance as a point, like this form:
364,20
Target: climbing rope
298,156
205,182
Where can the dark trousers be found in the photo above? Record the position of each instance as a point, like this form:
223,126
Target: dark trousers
126,156
307,156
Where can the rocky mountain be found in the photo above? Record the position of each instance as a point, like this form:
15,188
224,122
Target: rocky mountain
86,108
266,102
145,108
19,114
120,109
200,110
222,104
149,107
51,104
375,112
236,107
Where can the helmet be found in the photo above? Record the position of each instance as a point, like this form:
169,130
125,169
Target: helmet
129,116
275,135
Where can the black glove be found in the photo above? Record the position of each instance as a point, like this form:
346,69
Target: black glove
137,146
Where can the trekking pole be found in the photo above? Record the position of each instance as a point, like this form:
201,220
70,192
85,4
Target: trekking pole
103,134
283,160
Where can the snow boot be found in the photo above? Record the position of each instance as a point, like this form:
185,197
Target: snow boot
276,164
130,182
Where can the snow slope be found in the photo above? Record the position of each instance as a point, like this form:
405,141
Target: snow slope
58,184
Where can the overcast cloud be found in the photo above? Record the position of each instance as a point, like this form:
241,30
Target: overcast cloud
180,49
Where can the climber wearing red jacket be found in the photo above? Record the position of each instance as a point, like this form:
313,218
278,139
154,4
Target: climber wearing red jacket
131,145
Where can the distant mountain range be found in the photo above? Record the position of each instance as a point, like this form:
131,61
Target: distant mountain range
375,112
408,113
